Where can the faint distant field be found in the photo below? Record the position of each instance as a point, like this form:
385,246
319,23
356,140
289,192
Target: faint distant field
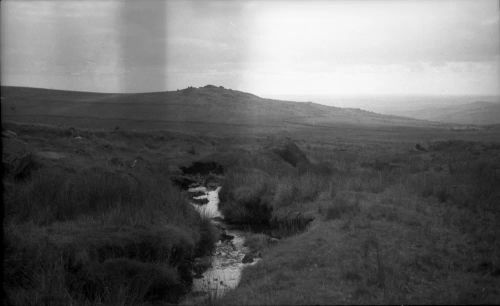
333,132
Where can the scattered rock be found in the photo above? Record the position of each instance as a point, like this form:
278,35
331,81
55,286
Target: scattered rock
248,258
218,225
195,194
226,237
196,181
212,181
9,134
201,201
273,240
220,232
218,219
200,265
212,185
134,163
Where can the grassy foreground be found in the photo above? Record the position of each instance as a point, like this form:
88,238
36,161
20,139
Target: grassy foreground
91,218
393,224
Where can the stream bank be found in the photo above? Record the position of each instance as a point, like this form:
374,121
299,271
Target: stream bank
220,272
223,269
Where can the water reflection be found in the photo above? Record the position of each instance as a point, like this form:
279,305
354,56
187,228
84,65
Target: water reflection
226,262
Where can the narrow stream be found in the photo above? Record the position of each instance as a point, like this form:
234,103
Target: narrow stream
226,264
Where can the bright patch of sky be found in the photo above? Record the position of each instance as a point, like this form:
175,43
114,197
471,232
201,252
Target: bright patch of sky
270,48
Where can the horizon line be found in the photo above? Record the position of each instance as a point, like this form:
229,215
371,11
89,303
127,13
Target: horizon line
271,95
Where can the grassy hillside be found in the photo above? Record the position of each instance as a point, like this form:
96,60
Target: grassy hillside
92,218
207,104
479,113
393,224
400,214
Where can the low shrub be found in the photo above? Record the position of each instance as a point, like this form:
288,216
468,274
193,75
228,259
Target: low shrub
246,196
254,207
290,224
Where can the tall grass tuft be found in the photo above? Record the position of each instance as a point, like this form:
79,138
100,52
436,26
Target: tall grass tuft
100,235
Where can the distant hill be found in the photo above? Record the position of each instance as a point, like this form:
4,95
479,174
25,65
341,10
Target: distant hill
205,104
470,113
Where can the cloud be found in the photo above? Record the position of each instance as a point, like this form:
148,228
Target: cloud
260,46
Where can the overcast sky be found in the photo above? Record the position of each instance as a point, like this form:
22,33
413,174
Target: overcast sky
263,47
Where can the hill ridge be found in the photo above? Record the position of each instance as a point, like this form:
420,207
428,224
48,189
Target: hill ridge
209,103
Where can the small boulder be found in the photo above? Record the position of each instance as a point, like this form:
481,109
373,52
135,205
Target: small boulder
134,163
197,193
248,258
273,240
201,201
212,186
226,237
200,265
218,219
194,185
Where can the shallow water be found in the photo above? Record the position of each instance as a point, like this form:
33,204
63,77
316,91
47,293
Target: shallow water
226,261
211,209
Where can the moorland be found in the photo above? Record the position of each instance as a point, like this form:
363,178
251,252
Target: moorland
368,208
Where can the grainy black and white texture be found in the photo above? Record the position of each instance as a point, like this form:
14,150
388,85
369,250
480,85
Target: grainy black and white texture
250,152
